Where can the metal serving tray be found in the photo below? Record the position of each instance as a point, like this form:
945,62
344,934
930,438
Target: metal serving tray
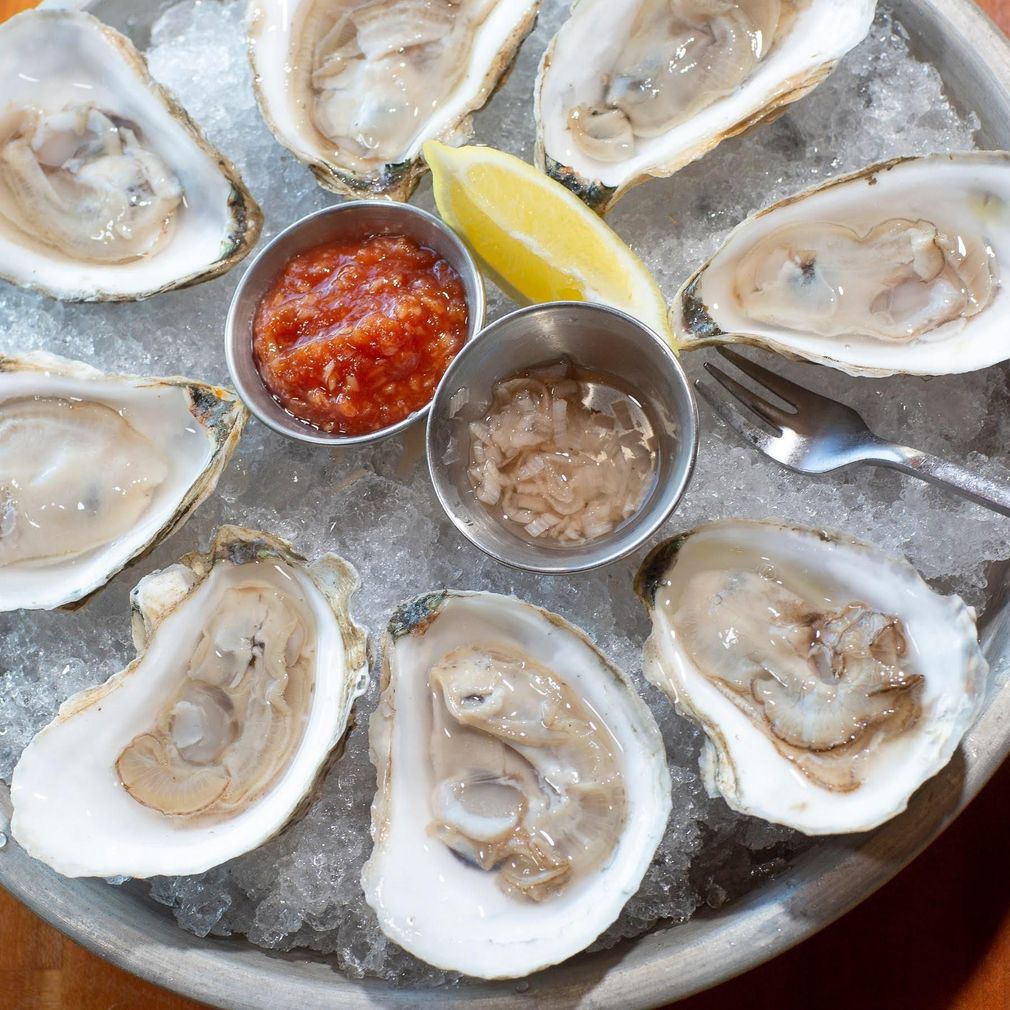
122,925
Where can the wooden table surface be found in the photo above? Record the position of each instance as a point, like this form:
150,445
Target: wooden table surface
936,938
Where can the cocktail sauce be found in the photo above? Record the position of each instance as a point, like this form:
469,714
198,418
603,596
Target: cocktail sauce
354,336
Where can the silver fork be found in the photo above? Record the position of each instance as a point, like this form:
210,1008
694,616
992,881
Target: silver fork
818,434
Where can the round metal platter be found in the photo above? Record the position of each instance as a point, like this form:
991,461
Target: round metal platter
122,925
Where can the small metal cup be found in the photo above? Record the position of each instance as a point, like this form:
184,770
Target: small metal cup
600,340
356,219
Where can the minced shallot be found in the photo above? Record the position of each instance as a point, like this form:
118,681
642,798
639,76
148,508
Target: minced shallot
560,469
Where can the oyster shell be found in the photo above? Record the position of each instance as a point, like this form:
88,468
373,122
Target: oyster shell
211,740
108,190
354,87
96,469
507,836
631,89
897,268
830,680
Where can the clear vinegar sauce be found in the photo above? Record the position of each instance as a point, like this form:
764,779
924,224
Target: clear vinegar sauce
562,455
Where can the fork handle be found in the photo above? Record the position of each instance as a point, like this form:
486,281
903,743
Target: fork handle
991,494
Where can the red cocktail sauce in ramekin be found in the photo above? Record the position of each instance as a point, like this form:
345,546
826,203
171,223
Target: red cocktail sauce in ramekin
355,335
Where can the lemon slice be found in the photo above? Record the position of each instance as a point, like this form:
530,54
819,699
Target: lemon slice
536,240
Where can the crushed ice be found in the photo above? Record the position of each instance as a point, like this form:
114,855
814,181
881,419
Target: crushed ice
301,889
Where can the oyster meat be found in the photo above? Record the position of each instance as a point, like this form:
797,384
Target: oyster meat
96,469
211,740
830,680
108,191
522,786
895,269
630,89
354,87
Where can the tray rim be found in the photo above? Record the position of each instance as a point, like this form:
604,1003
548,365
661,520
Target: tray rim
662,966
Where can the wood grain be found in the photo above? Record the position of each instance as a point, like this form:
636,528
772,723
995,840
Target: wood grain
936,938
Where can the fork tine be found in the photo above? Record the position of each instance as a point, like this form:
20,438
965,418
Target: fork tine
747,430
773,415
795,396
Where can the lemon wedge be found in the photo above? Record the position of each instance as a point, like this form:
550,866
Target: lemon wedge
536,240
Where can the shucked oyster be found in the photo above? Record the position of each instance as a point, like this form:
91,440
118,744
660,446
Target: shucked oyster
247,670
95,469
831,681
897,268
354,87
630,89
522,786
71,179
108,191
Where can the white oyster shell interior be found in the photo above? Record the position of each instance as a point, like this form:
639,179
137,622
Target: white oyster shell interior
899,268
96,468
107,191
830,679
206,745
633,88
522,789
355,87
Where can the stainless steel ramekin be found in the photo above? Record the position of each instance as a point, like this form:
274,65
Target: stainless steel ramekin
356,219
600,340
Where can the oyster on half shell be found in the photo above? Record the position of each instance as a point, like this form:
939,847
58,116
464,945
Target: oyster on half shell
215,736
108,190
97,469
630,89
522,786
354,87
898,268
830,680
